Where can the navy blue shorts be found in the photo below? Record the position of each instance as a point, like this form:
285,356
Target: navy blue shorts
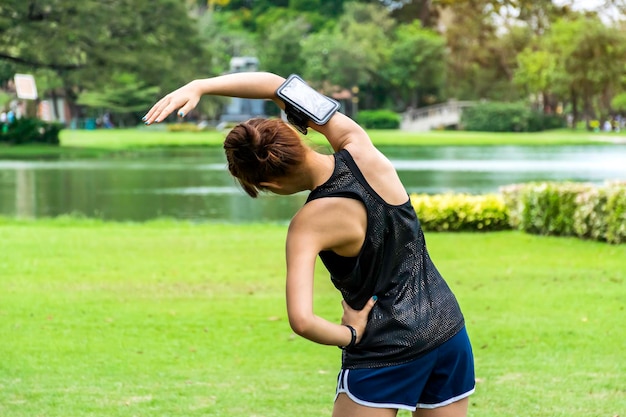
435,379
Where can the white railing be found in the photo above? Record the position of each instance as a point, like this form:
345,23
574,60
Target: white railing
432,117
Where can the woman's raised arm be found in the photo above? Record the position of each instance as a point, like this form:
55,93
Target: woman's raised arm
258,85
340,130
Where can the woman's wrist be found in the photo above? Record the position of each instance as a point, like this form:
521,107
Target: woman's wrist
200,86
353,337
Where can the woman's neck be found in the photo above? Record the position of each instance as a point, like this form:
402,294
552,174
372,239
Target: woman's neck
316,169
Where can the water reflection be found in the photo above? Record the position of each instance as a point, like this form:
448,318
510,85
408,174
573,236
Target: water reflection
196,185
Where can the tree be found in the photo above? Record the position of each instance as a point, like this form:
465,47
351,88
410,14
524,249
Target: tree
224,36
475,70
352,52
618,103
590,61
82,43
536,73
123,94
280,49
416,64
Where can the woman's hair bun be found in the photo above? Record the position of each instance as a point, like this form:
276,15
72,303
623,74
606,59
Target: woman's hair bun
262,149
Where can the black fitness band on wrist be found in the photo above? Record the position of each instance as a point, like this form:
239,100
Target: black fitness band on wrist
352,340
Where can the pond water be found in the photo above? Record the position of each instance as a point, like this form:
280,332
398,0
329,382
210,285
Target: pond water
194,184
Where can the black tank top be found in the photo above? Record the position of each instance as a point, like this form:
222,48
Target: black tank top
415,311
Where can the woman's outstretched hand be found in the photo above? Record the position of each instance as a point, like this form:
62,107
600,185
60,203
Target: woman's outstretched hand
357,318
183,100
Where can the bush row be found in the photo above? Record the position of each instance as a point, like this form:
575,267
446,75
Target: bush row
378,119
30,130
569,209
461,212
560,209
508,117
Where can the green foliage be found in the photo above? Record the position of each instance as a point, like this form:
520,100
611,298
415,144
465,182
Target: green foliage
416,64
569,209
83,43
30,130
7,70
379,119
461,212
354,50
507,117
619,102
480,62
122,94
550,208
224,36
496,117
282,32
601,213
186,127
378,46
589,60
5,99
535,70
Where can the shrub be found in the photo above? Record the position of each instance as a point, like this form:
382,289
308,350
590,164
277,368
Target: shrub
616,213
182,127
30,130
539,121
550,207
569,209
378,119
511,195
461,212
507,117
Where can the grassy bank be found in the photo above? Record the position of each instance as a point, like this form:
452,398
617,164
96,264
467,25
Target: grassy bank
105,142
175,319
121,138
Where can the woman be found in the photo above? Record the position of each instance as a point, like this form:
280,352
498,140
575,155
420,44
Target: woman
402,332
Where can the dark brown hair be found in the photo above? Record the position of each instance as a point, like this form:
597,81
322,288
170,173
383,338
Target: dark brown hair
262,150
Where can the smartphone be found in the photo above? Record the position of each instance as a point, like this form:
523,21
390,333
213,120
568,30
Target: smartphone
297,94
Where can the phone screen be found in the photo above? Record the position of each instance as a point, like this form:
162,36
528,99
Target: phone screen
299,93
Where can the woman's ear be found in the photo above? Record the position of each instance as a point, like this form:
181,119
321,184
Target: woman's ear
270,185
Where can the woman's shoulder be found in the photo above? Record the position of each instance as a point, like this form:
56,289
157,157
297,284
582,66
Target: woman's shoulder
379,173
368,157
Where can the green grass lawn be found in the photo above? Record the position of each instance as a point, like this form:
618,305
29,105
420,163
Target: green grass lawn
178,319
157,136
104,142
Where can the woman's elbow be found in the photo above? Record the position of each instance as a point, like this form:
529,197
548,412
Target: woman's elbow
300,324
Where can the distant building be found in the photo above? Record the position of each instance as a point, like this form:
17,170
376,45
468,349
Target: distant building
241,109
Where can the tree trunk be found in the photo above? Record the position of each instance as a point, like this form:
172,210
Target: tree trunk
587,110
575,116
55,104
425,13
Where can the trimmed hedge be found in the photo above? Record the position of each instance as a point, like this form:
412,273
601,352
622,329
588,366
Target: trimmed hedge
461,212
30,130
569,209
182,127
576,209
507,117
378,119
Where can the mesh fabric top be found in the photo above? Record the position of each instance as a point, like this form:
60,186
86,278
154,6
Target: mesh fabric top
415,311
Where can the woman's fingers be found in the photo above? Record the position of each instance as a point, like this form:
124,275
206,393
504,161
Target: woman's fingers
178,102
187,107
357,318
369,305
155,113
161,110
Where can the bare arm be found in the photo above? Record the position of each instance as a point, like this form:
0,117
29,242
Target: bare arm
340,131
258,85
310,232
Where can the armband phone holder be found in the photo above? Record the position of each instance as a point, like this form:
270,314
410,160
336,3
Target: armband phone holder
304,104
